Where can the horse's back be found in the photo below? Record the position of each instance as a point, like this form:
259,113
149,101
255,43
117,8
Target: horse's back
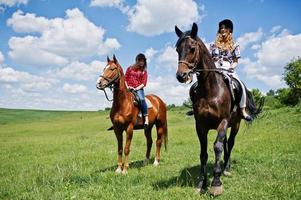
158,106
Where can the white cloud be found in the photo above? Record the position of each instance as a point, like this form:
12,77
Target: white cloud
274,53
169,58
110,3
74,88
25,80
81,71
106,3
276,29
29,51
250,38
61,39
28,23
155,17
150,53
108,46
10,75
11,3
1,57
168,89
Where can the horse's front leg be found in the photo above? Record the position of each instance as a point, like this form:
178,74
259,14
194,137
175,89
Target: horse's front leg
129,136
216,185
118,134
202,135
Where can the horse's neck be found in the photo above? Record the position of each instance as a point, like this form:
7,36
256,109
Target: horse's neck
120,94
208,79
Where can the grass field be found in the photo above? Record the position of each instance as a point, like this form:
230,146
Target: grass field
69,155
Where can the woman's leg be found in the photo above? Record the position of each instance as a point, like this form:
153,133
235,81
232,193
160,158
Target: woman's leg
143,105
243,100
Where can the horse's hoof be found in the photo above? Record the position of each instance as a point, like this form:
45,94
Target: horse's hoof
156,163
201,187
124,172
216,190
118,171
227,173
200,190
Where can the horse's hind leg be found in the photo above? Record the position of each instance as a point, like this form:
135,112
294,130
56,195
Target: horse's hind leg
216,185
149,143
119,138
161,135
231,140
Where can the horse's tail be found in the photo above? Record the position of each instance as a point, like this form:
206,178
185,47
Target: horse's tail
254,111
164,126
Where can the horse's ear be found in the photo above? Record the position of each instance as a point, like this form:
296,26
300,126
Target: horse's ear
115,59
194,30
178,31
108,59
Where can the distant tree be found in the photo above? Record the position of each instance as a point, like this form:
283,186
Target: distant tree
287,96
257,95
171,106
292,76
187,103
107,108
271,93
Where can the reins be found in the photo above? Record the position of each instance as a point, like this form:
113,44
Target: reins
194,65
110,84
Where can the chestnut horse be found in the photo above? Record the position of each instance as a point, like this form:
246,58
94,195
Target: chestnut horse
212,104
124,115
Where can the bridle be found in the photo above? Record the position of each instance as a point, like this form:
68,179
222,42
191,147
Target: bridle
189,64
193,66
110,83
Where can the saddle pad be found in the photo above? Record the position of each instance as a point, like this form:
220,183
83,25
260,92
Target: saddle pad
148,102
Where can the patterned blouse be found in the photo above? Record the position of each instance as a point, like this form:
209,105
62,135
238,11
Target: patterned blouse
135,77
223,59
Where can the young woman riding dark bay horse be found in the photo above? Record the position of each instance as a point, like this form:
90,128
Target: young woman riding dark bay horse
212,104
124,114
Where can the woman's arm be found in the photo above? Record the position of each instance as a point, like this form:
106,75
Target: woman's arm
140,87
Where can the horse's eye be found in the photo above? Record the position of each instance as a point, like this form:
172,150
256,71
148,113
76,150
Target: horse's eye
113,69
192,49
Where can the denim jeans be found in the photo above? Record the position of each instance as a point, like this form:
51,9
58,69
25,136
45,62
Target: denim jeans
143,102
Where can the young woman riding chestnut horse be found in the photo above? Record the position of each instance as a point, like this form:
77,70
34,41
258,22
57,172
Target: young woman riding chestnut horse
212,104
124,114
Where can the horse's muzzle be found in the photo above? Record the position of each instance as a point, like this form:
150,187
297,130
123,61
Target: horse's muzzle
180,77
184,77
100,87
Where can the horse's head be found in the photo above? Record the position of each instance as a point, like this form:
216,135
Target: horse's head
188,51
110,75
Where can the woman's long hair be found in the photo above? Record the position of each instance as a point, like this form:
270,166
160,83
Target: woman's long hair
224,43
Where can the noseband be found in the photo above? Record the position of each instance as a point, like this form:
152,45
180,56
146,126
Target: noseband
110,84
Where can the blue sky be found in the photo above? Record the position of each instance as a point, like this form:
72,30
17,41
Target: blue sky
52,51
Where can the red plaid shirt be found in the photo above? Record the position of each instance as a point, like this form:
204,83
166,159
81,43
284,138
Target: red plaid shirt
135,77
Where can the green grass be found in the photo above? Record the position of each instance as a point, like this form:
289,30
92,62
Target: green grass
70,155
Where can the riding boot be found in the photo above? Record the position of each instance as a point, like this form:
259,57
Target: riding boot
146,122
245,115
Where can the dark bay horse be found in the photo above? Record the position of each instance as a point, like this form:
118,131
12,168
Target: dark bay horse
212,104
124,115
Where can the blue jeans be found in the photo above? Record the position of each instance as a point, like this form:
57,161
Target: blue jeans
143,102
